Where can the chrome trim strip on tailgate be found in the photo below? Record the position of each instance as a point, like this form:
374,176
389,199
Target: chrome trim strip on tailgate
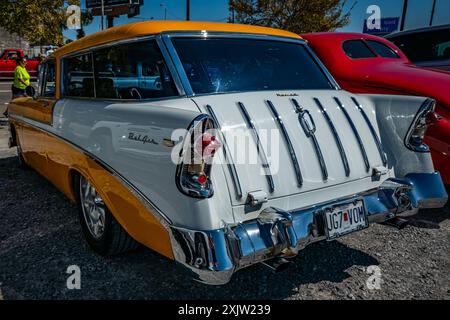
372,130
282,127
227,154
310,133
355,132
336,136
262,154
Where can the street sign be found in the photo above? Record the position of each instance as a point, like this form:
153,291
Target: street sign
387,25
108,3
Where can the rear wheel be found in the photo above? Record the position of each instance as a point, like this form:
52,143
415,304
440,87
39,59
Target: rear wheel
101,230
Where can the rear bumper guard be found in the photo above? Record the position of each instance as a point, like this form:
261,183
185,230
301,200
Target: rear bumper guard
213,256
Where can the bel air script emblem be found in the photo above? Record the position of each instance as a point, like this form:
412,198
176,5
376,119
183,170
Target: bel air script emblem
144,139
309,127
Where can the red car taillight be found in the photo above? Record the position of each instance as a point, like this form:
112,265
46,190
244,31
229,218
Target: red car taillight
416,133
199,147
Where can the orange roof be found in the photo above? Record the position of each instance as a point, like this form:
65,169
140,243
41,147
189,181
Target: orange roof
154,27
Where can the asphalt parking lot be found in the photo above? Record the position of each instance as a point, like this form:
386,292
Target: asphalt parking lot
40,238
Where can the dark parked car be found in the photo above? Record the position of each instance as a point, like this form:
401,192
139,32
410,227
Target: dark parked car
426,47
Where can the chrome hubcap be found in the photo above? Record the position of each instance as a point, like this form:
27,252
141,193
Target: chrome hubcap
93,209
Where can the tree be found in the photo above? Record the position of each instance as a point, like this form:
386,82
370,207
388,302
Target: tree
41,22
298,16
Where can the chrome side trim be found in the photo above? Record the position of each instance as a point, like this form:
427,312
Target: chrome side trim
355,132
227,154
335,135
310,128
372,130
153,209
260,149
282,127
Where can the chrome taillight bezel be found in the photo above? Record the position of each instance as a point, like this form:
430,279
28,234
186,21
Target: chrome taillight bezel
185,180
421,119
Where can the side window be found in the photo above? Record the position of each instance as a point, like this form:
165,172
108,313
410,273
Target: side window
49,89
79,76
132,71
382,50
357,49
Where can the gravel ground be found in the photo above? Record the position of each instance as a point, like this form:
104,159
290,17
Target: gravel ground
40,237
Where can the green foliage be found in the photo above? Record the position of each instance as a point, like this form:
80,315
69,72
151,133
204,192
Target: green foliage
41,22
299,16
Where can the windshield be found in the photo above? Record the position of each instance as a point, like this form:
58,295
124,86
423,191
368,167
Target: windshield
217,65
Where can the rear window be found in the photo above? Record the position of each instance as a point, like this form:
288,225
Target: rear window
357,49
79,76
382,50
215,65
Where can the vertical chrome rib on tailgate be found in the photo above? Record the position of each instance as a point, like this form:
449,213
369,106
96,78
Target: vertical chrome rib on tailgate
346,140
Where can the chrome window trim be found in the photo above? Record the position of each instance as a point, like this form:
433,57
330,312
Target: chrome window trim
337,139
260,149
166,55
167,38
227,154
311,134
355,132
372,130
291,150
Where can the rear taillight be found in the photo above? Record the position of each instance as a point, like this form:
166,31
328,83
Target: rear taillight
199,148
416,133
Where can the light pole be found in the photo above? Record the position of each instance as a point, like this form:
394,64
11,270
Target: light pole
103,13
188,10
405,9
433,9
165,10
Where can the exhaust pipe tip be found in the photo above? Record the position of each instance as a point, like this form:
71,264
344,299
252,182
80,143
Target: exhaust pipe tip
396,222
277,264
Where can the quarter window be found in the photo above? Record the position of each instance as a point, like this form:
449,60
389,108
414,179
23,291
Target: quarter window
382,50
50,75
79,76
357,49
132,71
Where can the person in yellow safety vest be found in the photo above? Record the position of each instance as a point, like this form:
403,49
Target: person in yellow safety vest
21,78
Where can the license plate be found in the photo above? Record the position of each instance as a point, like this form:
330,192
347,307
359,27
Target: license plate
346,218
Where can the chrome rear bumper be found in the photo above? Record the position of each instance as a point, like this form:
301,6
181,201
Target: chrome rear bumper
213,256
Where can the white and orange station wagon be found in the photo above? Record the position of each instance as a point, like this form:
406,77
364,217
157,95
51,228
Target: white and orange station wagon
219,145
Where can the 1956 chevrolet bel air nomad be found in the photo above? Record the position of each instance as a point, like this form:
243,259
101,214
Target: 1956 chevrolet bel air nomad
219,145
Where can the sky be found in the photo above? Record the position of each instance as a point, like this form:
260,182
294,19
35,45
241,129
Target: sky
217,10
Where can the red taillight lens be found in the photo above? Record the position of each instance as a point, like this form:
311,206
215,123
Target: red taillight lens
416,133
200,146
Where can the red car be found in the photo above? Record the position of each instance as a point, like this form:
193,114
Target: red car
8,64
364,63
